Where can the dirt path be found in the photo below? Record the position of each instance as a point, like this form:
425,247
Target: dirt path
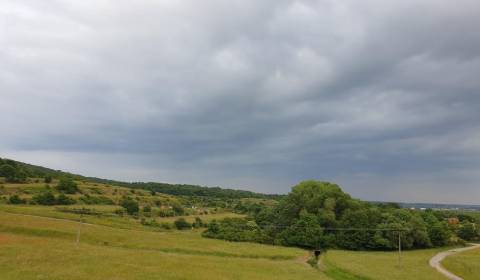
435,262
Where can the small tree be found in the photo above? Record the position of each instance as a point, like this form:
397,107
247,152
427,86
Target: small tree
130,205
67,185
182,224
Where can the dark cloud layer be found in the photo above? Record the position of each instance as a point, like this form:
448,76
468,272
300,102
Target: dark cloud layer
380,97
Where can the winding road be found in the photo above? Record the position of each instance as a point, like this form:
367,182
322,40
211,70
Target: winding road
435,262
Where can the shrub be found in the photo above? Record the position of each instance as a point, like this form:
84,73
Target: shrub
198,223
67,185
165,225
313,262
177,209
48,179
130,205
182,224
234,229
65,200
15,199
46,198
87,199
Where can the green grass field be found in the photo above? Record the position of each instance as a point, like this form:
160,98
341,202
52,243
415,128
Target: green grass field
40,242
45,247
382,265
465,265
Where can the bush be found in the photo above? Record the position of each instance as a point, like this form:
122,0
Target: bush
67,185
234,229
166,225
198,223
48,179
177,209
87,199
182,224
15,199
313,262
46,198
65,200
130,205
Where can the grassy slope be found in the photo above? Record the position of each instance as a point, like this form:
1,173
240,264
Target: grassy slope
381,265
465,265
33,246
106,220
24,257
114,247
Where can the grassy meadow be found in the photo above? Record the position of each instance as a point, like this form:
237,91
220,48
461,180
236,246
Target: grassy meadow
382,265
40,242
465,265
44,248
35,247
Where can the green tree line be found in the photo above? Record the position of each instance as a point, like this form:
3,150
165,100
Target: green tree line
320,215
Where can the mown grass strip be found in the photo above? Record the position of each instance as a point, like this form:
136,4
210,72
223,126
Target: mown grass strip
337,273
37,232
212,253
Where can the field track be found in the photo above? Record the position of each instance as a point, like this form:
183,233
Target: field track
435,262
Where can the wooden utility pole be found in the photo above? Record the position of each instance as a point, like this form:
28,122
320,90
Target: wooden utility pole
79,230
399,249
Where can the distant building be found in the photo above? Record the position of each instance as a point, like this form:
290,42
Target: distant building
453,221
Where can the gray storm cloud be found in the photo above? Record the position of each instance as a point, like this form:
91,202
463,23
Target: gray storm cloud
381,97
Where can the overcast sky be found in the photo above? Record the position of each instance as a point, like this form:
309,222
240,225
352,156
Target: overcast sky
381,97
